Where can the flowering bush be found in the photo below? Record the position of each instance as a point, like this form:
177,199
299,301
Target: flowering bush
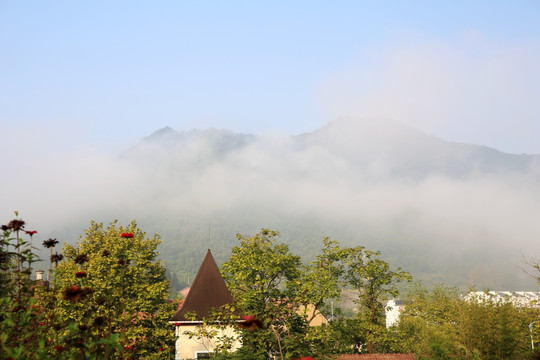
82,313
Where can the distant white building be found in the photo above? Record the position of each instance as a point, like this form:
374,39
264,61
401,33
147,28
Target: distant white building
393,310
395,307
517,298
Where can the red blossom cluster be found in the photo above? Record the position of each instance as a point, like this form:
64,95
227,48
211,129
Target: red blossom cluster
251,323
127,235
74,293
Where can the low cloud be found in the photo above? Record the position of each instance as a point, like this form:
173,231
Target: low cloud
476,219
471,90
481,222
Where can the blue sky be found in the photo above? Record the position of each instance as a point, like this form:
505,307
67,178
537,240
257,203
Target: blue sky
103,74
81,80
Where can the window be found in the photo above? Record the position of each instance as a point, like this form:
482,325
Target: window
203,354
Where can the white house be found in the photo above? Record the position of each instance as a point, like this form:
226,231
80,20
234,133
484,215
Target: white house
207,292
517,298
393,310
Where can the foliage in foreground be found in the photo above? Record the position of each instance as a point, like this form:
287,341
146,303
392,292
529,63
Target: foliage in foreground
107,298
271,285
281,296
441,324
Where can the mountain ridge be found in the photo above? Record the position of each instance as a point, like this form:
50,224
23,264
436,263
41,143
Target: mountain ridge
445,211
391,142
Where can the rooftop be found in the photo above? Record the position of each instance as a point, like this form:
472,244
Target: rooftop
207,292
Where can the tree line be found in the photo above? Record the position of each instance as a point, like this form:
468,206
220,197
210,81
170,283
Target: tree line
107,297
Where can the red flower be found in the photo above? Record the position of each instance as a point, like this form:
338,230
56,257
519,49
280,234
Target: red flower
73,293
31,232
127,235
81,274
251,323
162,349
58,348
129,347
41,324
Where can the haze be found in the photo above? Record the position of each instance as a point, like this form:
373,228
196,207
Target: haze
82,82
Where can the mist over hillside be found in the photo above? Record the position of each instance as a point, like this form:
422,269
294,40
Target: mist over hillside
459,213
445,211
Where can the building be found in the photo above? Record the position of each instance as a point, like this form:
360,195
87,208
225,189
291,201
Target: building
377,357
531,299
207,292
517,298
393,310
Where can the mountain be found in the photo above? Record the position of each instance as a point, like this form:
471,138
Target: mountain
445,211
379,149
403,151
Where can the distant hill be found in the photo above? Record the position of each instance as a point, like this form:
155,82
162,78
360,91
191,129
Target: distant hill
378,149
459,213
385,148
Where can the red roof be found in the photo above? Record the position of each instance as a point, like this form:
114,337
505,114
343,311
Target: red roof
208,291
377,357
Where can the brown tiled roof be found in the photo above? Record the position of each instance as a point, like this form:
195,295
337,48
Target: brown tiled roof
207,291
377,357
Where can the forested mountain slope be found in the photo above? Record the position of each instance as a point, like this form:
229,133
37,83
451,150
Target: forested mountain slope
445,211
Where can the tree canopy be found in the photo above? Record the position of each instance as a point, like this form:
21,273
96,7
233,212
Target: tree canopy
274,286
112,282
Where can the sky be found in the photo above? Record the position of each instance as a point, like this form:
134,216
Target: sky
82,81
100,75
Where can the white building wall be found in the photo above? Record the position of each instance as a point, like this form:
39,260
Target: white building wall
517,298
186,348
393,311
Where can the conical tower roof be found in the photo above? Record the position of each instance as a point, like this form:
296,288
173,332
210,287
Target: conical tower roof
208,291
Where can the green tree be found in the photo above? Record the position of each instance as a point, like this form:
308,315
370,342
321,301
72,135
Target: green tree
441,324
495,327
283,295
21,330
112,284
260,275
428,326
374,281
271,284
320,282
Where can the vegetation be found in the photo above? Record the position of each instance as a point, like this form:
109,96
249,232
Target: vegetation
533,268
271,285
127,293
441,324
107,299
265,278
